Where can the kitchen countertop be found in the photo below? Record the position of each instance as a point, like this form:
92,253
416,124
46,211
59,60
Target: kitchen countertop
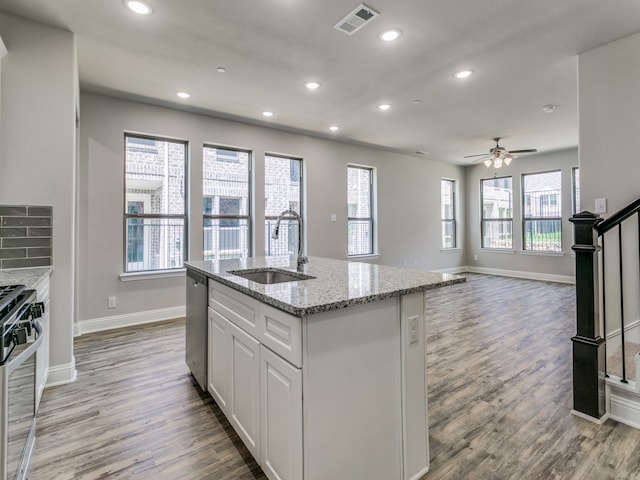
338,283
24,276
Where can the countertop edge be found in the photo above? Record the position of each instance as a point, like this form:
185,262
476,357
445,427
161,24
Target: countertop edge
300,312
30,276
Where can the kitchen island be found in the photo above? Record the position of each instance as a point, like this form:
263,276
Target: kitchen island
323,374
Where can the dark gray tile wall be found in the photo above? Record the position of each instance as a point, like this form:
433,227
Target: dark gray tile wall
25,236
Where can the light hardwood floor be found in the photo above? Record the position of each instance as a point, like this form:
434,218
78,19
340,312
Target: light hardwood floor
499,389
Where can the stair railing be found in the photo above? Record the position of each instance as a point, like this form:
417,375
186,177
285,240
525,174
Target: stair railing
615,221
589,347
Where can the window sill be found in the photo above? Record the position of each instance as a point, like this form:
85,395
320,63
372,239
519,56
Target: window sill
370,256
450,250
151,275
497,250
548,254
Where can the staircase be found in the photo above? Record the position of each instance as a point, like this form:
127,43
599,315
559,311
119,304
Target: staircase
607,345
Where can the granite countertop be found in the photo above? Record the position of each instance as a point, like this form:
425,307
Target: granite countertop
23,276
338,283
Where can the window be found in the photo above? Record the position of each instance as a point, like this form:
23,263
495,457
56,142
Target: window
225,202
497,212
283,191
155,210
448,212
575,183
542,216
360,210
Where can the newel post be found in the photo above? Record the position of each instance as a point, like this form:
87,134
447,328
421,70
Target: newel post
588,344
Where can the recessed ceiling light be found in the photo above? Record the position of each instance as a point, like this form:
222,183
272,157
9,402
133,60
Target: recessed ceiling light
312,85
390,35
417,101
421,152
221,70
384,106
549,108
267,114
463,74
139,7
183,94
334,128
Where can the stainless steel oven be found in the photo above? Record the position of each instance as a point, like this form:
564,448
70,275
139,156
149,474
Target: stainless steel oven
20,342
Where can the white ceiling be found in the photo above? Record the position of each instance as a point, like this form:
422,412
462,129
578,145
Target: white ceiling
523,53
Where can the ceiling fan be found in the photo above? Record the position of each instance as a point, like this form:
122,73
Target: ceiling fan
499,156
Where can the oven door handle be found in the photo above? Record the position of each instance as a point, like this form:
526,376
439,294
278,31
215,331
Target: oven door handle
36,326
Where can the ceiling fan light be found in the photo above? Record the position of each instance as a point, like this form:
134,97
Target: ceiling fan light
487,162
497,162
507,160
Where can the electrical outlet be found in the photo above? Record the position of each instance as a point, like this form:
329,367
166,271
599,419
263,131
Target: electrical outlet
475,257
413,330
111,302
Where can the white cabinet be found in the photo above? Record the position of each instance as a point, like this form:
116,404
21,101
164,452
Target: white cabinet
244,401
259,391
219,373
334,395
281,414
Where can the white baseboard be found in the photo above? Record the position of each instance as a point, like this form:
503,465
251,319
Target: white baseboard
546,277
128,319
452,270
62,374
624,407
628,328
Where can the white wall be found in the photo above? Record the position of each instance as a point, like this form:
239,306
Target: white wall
408,198
609,116
546,266
37,154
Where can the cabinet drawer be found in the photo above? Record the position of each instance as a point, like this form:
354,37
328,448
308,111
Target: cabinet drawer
281,332
238,308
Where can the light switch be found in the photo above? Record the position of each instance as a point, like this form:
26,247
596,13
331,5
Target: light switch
601,205
333,217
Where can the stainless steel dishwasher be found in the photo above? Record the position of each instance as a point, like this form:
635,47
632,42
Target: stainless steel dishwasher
196,330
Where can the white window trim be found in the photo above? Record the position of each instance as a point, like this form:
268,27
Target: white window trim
374,211
456,206
152,274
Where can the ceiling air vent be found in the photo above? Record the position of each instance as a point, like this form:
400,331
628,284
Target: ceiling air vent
357,19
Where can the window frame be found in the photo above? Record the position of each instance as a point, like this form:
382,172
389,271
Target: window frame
499,219
372,211
454,210
575,190
267,246
526,219
146,138
247,217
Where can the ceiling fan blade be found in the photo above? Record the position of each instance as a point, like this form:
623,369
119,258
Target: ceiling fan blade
527,150
480,159
478,155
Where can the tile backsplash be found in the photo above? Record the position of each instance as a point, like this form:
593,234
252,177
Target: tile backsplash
25,236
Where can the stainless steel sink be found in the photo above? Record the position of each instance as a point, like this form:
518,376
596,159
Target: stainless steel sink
269,276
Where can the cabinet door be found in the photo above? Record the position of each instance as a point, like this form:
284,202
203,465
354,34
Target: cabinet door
219,359
281,413
244,405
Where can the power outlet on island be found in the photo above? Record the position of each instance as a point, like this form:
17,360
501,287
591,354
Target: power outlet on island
111,302
413,330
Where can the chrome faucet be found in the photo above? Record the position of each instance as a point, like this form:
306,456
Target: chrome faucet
290,214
